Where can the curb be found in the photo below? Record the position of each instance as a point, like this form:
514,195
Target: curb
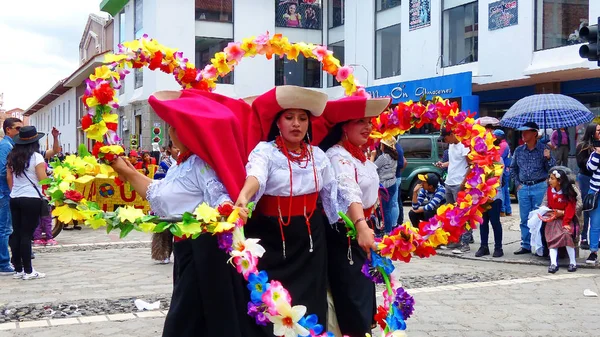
541,262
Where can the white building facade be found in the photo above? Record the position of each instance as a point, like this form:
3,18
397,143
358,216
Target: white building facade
485,54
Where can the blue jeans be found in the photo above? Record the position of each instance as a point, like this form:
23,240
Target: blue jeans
594,227
388,205
5,229
506,206
584,186
530,198
397,211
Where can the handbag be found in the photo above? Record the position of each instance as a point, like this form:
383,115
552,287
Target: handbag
45,211
590,202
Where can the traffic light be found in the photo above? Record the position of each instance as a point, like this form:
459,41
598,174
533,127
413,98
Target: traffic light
590,51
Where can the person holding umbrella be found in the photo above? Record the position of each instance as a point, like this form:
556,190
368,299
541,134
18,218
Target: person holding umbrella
529,169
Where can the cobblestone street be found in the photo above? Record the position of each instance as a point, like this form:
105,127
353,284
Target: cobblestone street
93,279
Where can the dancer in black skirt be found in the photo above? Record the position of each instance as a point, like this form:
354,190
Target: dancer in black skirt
347,125
208,294
286,175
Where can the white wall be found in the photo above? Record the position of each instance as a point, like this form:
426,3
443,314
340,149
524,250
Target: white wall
66,123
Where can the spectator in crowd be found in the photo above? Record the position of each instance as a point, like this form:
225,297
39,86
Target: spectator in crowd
398,211
492,215
134,158
583,152
561,143
458,167
168,159
506,209
387,163
427,197
529,170
25,168
593,166
11,127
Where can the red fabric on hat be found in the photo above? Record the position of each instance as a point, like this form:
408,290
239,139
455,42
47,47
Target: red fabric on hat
265,109
211,130
336,112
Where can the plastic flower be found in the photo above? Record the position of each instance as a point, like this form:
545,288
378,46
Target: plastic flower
343,73
205,213
257,284
285,323
275,294
257,312
384,263
73,195
394,319
130,213
311,323
209,71
225,241
249,46
246,264
220,63
234,51
241,245
147,227
95,223
380,316
86,122
97,131
104,93
67,214
405,302
371,273
321,52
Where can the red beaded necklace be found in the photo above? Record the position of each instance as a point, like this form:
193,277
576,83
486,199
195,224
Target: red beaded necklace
354,150
306,155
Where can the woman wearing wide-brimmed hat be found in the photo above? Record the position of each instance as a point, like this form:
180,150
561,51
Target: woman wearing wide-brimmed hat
286,175
208,294
342,131
25,168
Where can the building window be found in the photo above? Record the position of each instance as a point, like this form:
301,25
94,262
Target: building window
69,111
304,73
338,51
64,114
386,4
558,22
138,19
122,88
336,13
305,14
58,115
387,52
459,34
139,78
206,48
214,10
122,27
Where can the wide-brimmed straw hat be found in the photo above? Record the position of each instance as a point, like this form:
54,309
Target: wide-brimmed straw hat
209,126
346,109
391,142
27,135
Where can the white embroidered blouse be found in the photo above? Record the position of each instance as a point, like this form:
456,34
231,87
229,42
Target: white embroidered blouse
357,182
270,167
186,186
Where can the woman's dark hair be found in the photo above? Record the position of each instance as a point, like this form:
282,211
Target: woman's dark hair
274,132
589,136
566,186
333,137
19,156
391,151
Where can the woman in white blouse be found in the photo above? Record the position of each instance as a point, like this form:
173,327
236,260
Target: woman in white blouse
349,123
286,175
208,294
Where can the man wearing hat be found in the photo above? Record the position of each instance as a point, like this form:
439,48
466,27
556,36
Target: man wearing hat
529,168
427,197
506,209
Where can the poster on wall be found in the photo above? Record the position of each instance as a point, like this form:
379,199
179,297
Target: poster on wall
502,14
419,14
305,14
157,136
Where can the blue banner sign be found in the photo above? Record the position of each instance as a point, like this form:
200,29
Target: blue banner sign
450,86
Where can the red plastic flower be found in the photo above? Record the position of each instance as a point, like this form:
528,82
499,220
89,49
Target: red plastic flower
86,122
112,126
189,75
380,316
156,61
96,149
73,195
225,209
104,93
201,85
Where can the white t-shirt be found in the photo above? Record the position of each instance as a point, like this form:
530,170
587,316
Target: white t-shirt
22,188
457,164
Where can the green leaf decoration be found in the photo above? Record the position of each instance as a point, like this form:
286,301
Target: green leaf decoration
126,230
82,151
161,227
148,218
176,230
46,181
349,225
188,218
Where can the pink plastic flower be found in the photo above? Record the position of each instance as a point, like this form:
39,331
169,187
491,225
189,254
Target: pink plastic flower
275,294
234,51
209,71
343,73
246,264
321,52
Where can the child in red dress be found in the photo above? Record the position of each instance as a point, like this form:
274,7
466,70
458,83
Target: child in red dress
561,220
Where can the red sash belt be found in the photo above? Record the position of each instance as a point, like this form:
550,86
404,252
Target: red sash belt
270,205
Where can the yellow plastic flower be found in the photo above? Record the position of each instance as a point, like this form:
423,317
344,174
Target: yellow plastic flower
110,118
147,227
249,46
103,72
220,63
111,58
439,237
205,213
97,131
116,149
96,223
223,226
293,52
129,213
191,229
67,214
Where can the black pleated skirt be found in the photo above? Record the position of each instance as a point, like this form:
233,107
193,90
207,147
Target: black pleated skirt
209,296
353,293
301,272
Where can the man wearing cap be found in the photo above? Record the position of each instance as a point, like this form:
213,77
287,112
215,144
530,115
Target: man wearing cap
506,209
529,168
458,167
427,197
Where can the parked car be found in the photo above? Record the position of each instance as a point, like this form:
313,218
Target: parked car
421,151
